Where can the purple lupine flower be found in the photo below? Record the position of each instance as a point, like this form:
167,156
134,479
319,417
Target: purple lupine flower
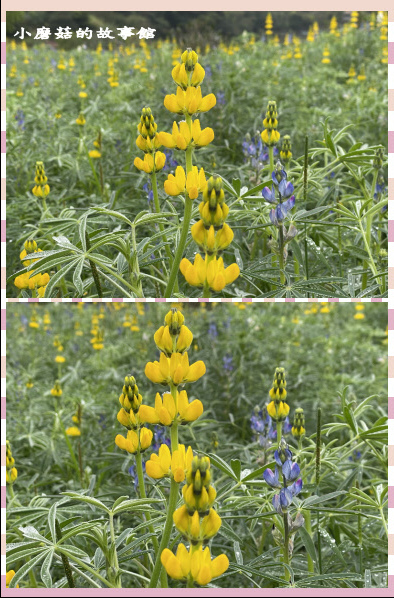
282,500
272,478
281,456
287,425
228,363
296,487
290,471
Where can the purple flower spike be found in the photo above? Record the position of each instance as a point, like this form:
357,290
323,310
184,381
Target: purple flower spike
269,194
272,478
285,188
295,488
290,471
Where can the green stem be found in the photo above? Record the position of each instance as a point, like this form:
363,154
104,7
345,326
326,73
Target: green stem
279,431
286,547
85,566
384,521
281,256
136,273
317,477
308,527
206,291
371,260
161,225
296,269
172,501
368,233
65,561
185,229
114,565
271,157
95,274
141,484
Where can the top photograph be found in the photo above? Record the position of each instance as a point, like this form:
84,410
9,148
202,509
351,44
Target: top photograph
197,154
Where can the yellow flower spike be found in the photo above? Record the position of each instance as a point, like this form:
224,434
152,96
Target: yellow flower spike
210,241
148,164
11,475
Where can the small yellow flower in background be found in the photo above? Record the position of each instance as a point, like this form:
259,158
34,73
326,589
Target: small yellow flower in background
11,471
60,359
77,329
61,65
94,154
298,429
295,320
80,120
362,76
326,56
9,575
325,310
34,323
73,431
269,23
98,340
19,93
83,94
354,19
29,383
56,391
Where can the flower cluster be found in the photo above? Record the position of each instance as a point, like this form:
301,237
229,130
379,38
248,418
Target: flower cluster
36,282
270,135
11,471
298,429
138,437
148,142
278,408
97,340
173,369
285,152
41,187
291,484
285,190
198,522
212,236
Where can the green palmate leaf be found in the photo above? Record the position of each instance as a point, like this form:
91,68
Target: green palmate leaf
57,278
52,522
46,569
24,570
236,467
222,465
136,505
77,280
114,214
315,500
88,499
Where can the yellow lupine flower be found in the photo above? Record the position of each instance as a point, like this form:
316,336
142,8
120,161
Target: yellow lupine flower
148,164
164,340
182,136
73,431
134,442
148,144
279,412
60,359
28,281
191,527
165,464
9,575
175,369
94,154
189,101
208,271
80,120
194,183
11,475
196,562
209,240
164,412
181,76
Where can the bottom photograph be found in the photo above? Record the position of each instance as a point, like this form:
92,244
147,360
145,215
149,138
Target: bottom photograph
219,445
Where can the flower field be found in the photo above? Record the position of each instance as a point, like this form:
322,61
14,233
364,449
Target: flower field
220,445
253,168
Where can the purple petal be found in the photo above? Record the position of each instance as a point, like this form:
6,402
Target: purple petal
286,498
290,203
272,478
277,459
281,211
276,504
268,194
296,487
273,217
290,471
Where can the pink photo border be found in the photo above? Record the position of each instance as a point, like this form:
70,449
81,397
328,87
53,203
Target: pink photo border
206,5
